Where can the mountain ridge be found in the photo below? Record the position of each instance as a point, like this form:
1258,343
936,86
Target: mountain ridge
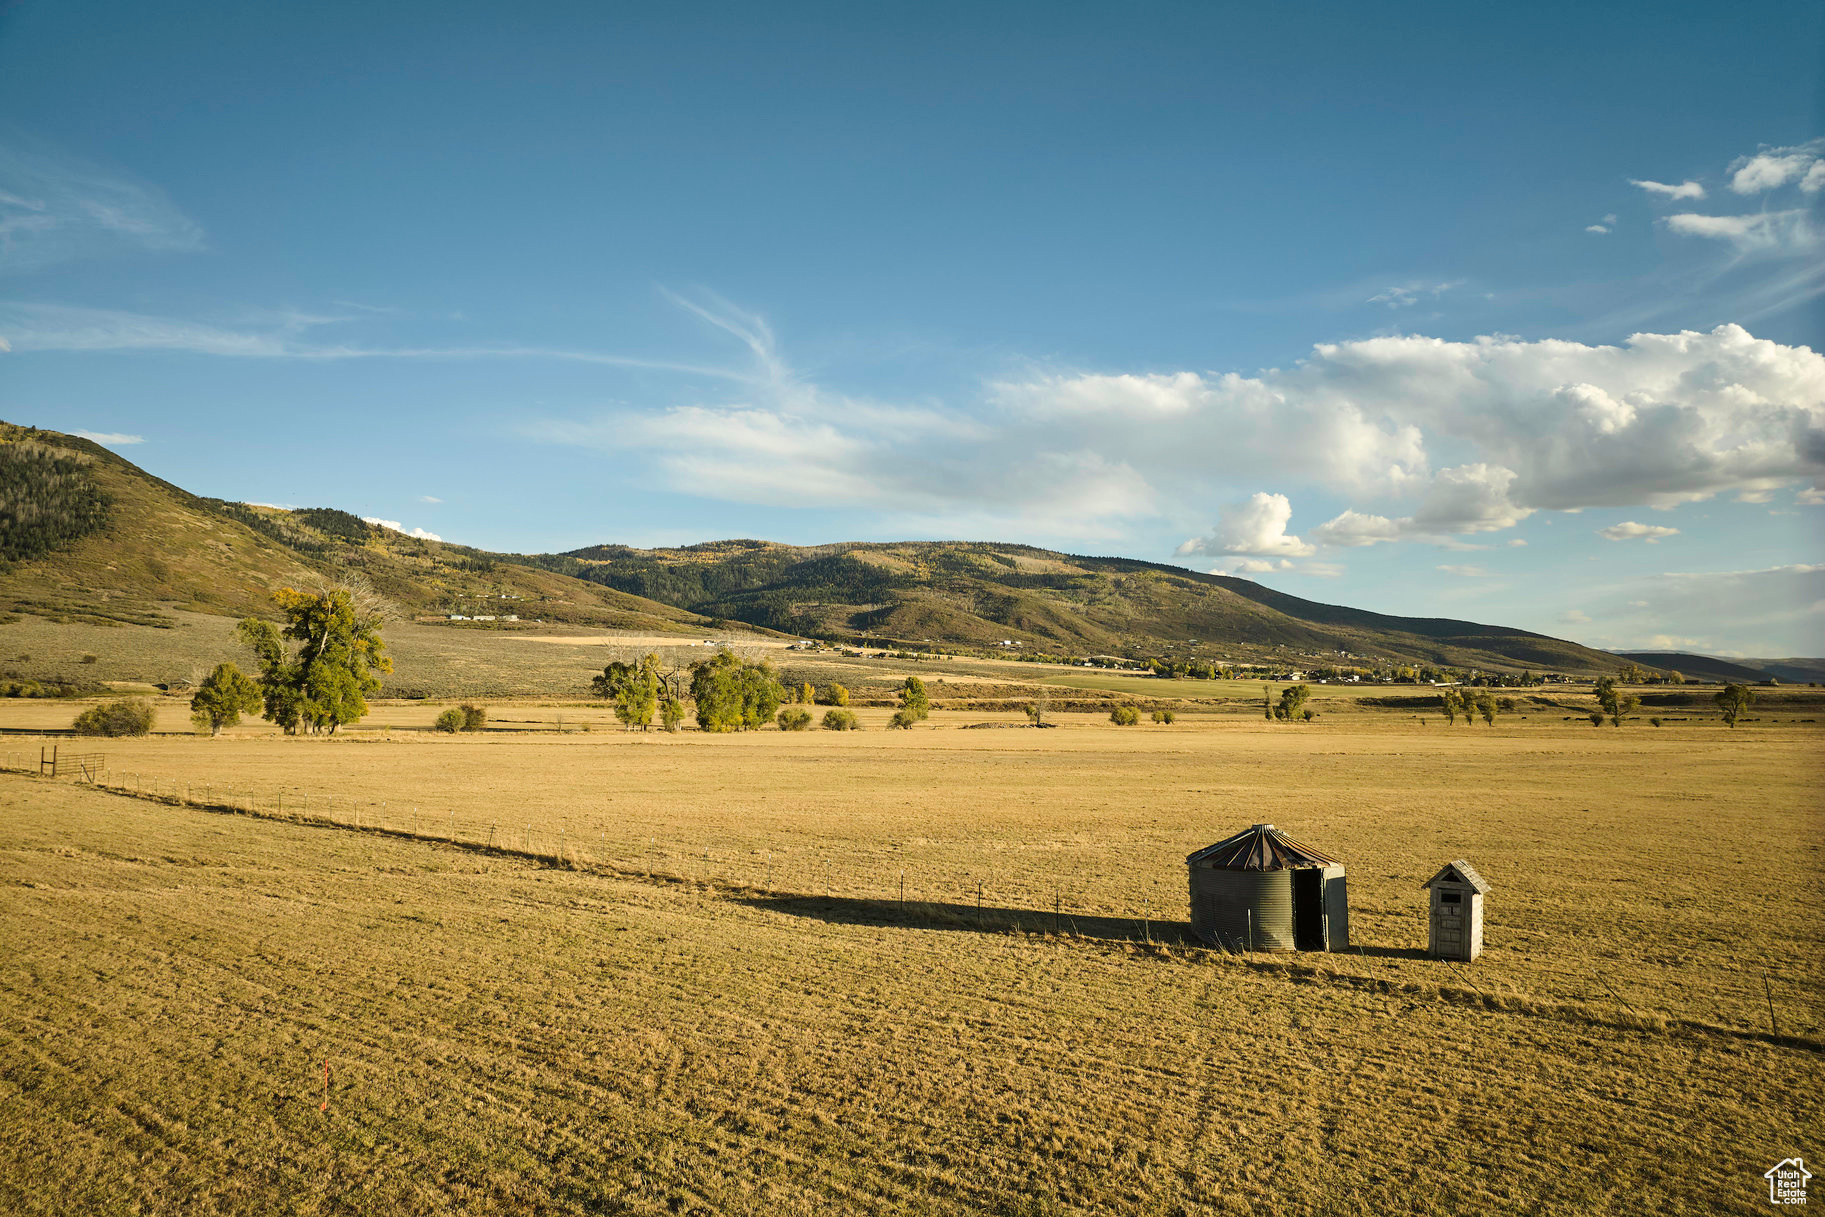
989,593
159,548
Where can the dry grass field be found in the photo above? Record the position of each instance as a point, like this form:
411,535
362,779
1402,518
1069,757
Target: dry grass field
719,1001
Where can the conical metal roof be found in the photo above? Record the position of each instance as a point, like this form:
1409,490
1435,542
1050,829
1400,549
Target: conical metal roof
1262,847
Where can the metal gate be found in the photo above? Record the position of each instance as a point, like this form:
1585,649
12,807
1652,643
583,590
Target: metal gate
85,766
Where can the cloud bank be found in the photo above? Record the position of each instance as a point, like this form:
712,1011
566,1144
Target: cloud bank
1431,439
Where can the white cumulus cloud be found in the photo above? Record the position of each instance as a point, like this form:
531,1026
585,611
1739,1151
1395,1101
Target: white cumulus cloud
1256,526
1772,168
1628,530
396,526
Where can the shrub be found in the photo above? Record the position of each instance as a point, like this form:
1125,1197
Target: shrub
1596,718
833,695
450,721
904,718
1124,716
1654,722
123,716
671,713
1163,716
794,719
474,717
91,658
840,720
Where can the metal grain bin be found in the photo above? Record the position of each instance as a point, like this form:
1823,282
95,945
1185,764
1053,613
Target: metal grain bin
1243,910
1262,891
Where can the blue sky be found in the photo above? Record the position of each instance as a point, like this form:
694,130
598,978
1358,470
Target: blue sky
1500,312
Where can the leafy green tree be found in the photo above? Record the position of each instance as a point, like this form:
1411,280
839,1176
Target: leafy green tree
1452,703
732,695
840,720
337,666
794,719
807,695
1291,705
225,695
833,695
1733,702
913,702
635,688
1267,702
122,716
1484,704
1615,703
671,713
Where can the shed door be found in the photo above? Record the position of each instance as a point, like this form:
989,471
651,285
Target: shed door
1452,909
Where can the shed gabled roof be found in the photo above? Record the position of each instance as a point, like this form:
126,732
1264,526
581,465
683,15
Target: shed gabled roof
1262,847
1460,871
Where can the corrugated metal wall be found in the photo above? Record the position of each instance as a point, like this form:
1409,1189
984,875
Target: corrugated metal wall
1243,910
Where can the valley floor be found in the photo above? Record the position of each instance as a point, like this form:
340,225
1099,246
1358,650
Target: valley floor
720,1002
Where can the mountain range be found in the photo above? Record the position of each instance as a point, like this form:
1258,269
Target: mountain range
85,534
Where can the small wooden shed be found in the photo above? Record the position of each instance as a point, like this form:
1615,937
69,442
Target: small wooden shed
1456,927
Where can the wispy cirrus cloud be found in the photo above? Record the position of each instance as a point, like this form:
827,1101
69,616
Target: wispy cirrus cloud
37,326
1406,295
1789,230
57,207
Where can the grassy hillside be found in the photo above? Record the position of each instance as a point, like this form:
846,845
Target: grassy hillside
966,593
87,536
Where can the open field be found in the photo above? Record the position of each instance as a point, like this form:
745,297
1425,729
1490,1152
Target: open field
723,1005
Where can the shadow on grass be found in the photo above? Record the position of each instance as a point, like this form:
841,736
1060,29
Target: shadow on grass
1390,952
987,919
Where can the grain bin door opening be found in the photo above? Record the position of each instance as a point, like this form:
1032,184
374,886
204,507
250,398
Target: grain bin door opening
1308,909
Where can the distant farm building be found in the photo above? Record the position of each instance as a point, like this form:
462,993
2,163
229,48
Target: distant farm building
1260,890
1455,928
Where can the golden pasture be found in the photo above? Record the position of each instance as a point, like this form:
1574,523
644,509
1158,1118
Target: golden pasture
721,1002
